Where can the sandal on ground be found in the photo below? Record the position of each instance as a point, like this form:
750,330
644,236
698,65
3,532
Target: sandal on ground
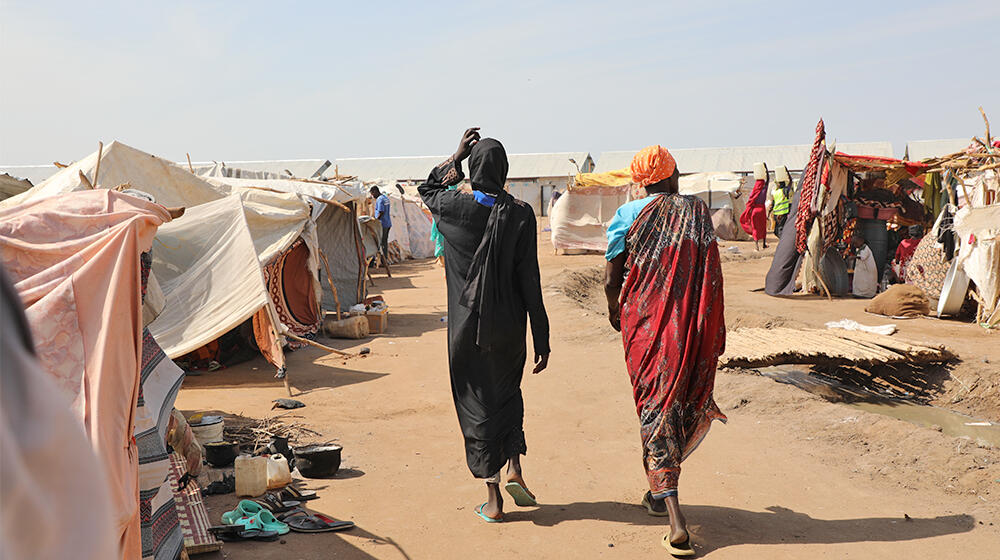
679,550
316,523
291,493
647,502
270,523
522,497
488,519
274,504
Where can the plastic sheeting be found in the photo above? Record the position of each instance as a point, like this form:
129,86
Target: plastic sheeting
207,267
169,184
979,254
579,220
340,240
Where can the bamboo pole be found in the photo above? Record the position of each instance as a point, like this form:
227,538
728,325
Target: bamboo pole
97,168
329,278
86,181
318,345
989,141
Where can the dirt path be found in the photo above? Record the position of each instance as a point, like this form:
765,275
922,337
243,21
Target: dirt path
790,475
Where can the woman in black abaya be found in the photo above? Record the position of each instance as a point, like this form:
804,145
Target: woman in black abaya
491,265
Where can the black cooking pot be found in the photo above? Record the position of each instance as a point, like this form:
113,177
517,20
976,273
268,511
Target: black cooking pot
318,461
221,453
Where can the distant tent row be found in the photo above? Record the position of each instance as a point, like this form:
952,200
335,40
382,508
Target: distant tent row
580,216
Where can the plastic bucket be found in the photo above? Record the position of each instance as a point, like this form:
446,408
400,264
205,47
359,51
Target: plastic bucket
209,430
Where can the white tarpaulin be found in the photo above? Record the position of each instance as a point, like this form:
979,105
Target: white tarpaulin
579,219
207,267
725,196
981,258
336,231
169,184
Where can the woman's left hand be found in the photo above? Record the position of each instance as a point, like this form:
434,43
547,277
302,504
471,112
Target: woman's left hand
615,317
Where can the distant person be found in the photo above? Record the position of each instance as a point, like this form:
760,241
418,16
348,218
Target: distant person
382,211
780,203
664,290
905,250
865,284
754,217
491,270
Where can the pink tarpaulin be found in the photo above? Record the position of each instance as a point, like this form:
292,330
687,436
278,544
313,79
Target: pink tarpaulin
74,260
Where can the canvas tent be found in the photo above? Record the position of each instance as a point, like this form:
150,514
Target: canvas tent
725,194
207,252
579,217
335,214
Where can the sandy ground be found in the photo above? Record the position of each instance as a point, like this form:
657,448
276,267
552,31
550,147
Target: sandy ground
790,475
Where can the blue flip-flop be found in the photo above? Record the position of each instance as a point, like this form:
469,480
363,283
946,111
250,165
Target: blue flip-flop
488,519
521,496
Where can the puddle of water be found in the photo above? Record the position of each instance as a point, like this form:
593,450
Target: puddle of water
952,423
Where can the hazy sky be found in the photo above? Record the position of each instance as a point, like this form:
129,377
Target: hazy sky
273,80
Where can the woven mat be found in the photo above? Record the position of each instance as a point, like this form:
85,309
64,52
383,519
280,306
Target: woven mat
191,511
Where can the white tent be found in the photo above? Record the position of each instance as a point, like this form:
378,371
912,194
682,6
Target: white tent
725,196
192,254
334,213
579,218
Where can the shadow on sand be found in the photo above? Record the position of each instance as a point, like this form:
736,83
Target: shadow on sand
715,527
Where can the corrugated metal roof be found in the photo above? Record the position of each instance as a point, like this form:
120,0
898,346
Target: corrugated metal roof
917,150
522,166
34,173
742,158
300,168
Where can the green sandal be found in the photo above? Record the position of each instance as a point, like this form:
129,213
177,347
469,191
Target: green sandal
246,508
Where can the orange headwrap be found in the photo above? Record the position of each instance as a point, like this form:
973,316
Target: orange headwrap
652,165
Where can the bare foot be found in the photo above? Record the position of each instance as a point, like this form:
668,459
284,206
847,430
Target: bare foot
494,502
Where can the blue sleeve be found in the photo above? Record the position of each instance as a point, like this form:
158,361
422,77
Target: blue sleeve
621,223
617,230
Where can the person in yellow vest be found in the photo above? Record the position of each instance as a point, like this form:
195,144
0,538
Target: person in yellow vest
780,202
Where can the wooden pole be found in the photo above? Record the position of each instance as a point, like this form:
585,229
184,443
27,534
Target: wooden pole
989,141
86,181
190,167
329,278
97,169
318,345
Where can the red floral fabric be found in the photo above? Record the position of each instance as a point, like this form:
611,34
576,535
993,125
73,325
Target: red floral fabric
804,216
673,330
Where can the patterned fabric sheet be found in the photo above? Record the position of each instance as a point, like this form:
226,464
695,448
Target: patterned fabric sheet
191,511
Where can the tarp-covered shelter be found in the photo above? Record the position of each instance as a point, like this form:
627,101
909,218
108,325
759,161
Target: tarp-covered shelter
839,194
335,214
250,253
76,264
725,195
579,217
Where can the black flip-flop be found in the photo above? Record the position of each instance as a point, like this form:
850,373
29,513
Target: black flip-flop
274,504
316,523
292,493
232,533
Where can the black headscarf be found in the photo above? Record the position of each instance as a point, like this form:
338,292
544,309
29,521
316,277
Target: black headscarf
488,166
482,293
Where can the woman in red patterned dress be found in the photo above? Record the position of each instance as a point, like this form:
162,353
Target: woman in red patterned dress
664,290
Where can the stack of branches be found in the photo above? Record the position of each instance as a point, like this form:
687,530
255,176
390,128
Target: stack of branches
256,434
981,155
